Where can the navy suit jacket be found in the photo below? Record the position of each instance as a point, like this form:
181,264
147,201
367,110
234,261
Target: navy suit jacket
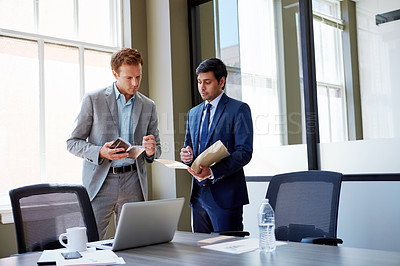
232,124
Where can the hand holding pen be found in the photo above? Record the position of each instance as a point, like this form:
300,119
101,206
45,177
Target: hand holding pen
186,154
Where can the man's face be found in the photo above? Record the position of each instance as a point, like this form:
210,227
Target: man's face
128,79
208,86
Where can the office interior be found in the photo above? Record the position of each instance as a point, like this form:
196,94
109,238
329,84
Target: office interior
355,132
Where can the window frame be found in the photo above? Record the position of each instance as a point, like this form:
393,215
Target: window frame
122,38
320,85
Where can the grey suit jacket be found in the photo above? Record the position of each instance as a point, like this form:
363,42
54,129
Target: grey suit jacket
97,123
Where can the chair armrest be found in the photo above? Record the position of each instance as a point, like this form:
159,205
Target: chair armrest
331,241
232,233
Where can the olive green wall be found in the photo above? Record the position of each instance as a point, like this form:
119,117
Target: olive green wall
169,86
8,242
291,71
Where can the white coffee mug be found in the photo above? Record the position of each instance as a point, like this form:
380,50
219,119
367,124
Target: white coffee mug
76,238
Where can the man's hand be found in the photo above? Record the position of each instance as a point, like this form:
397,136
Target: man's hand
112,154
186,154
149,144
204,173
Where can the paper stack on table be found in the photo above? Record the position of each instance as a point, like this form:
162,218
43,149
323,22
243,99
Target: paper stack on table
89,257
239,246
235,247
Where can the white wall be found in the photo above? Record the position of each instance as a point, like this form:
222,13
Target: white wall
369,215
362,156
369,212
257,192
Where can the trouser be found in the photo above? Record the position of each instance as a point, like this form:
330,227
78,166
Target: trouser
116,190
208,217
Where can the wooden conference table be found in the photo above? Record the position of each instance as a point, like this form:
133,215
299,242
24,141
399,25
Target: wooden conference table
184,250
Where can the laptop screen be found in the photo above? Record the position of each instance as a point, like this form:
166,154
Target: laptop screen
145,223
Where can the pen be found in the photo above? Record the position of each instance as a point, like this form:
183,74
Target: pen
189,153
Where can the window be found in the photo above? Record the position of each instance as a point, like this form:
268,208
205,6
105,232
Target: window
379,55
329,71
51,54
245,37
253,40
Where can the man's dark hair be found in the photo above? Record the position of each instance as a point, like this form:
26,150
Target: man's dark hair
216,66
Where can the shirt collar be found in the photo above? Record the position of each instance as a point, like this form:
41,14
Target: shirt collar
118,94
214,102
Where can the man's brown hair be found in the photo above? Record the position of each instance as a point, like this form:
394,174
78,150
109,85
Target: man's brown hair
125,56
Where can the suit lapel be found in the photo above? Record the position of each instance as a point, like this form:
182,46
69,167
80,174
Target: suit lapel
220,109
112,104
196,127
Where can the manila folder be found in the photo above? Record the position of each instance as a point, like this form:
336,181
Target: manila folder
211,155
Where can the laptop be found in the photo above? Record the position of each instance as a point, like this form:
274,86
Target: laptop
144,223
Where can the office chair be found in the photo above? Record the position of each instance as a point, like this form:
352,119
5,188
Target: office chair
306,206
43,211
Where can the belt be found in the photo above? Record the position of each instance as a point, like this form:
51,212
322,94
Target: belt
122,169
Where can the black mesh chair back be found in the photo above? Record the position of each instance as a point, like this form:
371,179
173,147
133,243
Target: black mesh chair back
43,211
306,205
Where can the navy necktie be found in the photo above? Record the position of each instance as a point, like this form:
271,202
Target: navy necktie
203,137
204,129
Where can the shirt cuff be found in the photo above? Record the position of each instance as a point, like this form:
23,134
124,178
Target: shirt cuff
212,175
149,159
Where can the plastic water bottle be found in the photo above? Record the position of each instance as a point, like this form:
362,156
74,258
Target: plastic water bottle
266,227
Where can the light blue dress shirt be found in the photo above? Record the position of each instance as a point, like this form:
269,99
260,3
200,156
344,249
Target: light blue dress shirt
214,104
124,123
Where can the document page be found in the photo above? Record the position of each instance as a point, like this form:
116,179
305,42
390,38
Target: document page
89,257
211,155
235,247
172,163
239,246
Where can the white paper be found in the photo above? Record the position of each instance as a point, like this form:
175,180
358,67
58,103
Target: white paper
98,257
89,257
172,164
211,155
50,256
235,247
239,246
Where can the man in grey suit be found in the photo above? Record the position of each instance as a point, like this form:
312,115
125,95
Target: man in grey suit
119,110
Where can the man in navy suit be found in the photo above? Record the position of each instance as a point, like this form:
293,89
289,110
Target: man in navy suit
218,192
